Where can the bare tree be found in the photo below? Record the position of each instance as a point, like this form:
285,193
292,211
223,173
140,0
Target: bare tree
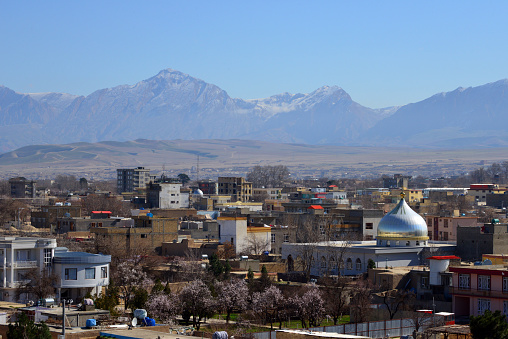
255,245
268,176
336,296
361,294
37,284
396,300
100,202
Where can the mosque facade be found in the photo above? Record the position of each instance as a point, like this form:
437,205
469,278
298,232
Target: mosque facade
402,240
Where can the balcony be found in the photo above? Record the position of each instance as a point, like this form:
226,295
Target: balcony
24,264
479,293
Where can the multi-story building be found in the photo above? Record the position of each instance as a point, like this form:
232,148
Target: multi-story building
445,228
22,187
148,233
164,195
480,192
130,179
236,187
398,181
477,289
472,242
79,273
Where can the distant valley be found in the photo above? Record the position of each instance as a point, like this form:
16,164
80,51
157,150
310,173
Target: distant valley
237,157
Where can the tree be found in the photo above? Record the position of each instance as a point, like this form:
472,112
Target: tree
101,202
139,299
310,307
196,300
184,178
335,296
11,209
128,276
27,329
489,325
268,176
395,300
371,264
231,295
264,280
108,300
37,284
83,184
215,266
268,304
163,306
256,244
361,294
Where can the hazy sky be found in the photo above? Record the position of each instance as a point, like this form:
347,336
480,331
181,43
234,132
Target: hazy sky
382,53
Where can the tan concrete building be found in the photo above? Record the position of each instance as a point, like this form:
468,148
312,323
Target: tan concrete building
236,187
148,233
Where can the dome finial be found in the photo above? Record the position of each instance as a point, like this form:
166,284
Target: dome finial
402,195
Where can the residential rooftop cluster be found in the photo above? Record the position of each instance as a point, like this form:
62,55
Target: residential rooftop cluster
426,257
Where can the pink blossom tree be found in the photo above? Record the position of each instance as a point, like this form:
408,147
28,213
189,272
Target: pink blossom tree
231,295
309,307
197,301
129,277
268,304
164,307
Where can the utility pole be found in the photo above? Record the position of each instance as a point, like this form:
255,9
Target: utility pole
63,318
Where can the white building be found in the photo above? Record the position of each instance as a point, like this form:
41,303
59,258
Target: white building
18,255
401,239
164,195
80,273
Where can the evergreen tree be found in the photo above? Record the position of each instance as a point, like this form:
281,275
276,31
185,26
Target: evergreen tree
371,264
489,326
158,287
265,279
215,266
140,298
27,329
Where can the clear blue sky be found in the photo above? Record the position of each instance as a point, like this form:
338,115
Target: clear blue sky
382,53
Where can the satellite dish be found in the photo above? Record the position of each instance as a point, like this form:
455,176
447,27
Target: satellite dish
134,322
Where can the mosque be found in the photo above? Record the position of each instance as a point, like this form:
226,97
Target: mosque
401,240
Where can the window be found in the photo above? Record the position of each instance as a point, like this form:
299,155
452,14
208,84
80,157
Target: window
484,282
505,284
322,229
273,238
349,264
71,274
464,282
143,236
446,223
286,237
505,307
483,305
333,264
369,226
358,264
425,282
323,263
104,272
47,257
90,273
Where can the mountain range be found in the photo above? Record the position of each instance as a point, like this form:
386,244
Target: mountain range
172,105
